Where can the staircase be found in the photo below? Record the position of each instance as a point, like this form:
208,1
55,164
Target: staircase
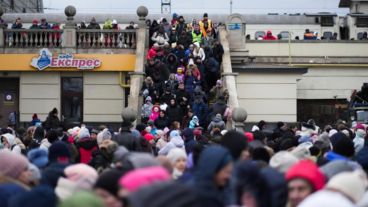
239,56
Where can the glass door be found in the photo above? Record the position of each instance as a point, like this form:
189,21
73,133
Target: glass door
72,101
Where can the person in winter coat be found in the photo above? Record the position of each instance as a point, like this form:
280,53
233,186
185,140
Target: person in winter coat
51,137
152,53
175,142
200,110
146,109
52,120
189,141
35,120
182,98
174,112
173,38
359,140
187,118
219,107
304,178
198,51
162,121
197,34
172,84
338,191
269,36
178,161
212,176
149,89
190,82
160,37
216,122
155,113
85,146
102,157
184,39
8,141
194,122
172,63
218,51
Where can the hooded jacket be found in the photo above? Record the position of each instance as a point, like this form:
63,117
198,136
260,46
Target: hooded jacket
172,63
175,142
12,143
194,122
189,140
162,122
216,122
174,113
211,161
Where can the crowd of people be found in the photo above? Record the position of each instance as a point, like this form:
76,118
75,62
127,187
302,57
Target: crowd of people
181,153
183,87
149,166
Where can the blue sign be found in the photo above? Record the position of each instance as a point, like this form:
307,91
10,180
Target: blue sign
234,26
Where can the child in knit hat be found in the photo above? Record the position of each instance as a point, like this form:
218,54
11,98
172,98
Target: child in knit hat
178,160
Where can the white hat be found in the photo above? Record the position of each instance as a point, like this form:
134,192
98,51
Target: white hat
351,184
114,21
283,160
196,44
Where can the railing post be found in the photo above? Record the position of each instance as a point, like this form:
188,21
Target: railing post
2,40
137,77
69,39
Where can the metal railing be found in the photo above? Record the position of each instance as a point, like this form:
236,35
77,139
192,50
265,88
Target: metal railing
32,38
88,38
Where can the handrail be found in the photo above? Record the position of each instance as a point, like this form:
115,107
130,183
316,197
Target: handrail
95,38
30,38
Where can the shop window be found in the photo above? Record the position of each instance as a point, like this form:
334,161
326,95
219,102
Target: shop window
72,100
322,111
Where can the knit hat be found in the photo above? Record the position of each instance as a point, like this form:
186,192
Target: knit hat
59,150
174,133
108,181
120,153
148,98
38,196
351,184
149,137
283,160
335,167
82,199
105,134
38,157
12,164
302,151
82,174
308,171
136,179
360,126
196,44
141,160
176,154
249,136
83,133
343,146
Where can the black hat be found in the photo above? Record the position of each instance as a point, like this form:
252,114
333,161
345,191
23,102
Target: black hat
205,15
108,181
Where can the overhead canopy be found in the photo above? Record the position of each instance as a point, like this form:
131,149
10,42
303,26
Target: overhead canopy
321,14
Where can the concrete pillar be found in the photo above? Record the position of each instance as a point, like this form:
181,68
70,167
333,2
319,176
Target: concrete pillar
69,38
239,116
236,29
2,29
136,78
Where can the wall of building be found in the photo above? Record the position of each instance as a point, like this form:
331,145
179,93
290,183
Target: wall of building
268,96
328,83
103,97
307,49
39,93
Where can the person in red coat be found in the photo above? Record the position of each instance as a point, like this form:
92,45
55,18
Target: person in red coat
269,36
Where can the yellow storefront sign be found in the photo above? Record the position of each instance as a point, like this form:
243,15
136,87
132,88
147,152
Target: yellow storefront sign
77,62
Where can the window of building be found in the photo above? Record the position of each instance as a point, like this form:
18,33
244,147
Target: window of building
327,21
72,100
361,22
259,34
323,111
327,35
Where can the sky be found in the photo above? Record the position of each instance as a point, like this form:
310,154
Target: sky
198,6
